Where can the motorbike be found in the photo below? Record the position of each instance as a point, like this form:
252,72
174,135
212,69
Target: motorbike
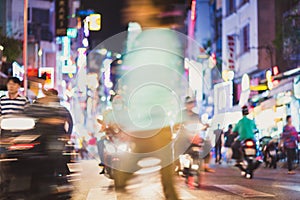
271,156
28,171
269,149
191,165
250,162
114,149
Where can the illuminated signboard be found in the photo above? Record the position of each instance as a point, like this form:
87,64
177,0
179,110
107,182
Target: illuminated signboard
49,73
62,11
94,22
69,69
18,71
72,32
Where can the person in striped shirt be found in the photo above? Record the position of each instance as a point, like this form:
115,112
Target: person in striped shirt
12,103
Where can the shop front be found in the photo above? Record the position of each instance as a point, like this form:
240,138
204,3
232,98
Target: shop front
270,113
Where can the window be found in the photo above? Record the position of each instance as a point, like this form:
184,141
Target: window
230,7
245,39
40,16
242,2
39,24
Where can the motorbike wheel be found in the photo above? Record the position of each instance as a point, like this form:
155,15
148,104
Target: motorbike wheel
274,162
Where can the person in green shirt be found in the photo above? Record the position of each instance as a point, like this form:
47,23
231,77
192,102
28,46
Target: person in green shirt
245,127
246,130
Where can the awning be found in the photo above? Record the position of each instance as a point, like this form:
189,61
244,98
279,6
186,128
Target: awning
284,85
269,103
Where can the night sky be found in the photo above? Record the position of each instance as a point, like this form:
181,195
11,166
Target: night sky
110,11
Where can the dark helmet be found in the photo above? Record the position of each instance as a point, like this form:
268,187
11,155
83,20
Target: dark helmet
189,99
245,110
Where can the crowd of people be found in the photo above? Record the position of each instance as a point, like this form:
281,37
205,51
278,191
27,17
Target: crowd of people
246,129
52,114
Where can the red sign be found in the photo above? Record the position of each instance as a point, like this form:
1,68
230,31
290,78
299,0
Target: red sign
33,72
231,52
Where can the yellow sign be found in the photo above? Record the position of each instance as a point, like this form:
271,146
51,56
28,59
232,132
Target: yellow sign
258,87
94,22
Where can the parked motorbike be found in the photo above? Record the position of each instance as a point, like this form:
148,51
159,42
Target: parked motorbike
270,152
250,163
269,149
32,165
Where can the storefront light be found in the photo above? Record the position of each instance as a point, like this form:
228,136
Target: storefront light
85,42
111,92
94,22
118,56
103,98
108,84
86,27
270,85
40,52
102,51
72,32
265,94
245,82
230,75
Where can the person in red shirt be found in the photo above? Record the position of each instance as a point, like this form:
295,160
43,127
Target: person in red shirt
290,139
92,145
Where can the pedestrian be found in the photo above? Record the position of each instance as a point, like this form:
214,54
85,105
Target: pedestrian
218,144
100,143
83,148
289,137
92,145
13,102
51,113
229,137
54,122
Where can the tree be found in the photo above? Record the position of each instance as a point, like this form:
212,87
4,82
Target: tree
12,47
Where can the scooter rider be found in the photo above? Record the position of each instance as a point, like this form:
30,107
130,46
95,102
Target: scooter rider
246,130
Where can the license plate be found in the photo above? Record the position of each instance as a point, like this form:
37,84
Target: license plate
249,151
197,149
186,163
273,153
195,167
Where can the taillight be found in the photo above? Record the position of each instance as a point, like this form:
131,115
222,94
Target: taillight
249,143
21,146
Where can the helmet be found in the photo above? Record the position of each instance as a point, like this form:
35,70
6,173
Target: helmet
245,110
189,99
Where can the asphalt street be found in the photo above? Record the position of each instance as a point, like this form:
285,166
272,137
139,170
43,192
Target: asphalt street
226,183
